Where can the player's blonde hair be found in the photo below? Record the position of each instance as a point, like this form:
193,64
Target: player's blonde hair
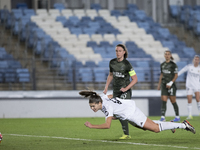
195,57
124,48
93,96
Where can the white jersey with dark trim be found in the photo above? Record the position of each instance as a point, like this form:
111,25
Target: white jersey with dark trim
117,107
193,76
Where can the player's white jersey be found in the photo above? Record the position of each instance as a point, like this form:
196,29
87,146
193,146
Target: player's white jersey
117,107
193,76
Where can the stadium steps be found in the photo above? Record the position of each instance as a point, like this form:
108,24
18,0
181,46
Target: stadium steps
187,36
46,79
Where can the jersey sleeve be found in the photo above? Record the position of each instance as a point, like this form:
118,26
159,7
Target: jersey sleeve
160,68
183,70
131,71
111,70
175,68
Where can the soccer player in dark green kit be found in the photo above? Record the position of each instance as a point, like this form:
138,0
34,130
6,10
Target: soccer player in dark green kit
168,76
120,72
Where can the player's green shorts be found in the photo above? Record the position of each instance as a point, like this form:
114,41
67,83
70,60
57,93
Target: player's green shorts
168,92
125,95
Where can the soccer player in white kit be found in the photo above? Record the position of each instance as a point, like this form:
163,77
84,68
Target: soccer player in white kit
192,83
116,108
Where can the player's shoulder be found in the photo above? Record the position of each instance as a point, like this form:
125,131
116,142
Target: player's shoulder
190,65
172,62
104,96
162,63
113,60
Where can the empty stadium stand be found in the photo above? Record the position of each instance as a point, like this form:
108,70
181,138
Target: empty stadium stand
77,44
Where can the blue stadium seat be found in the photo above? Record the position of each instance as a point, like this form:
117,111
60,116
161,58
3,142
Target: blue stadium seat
74,19
181,64
100,74
76,31
190,52
144,64
86,74
90,64
10,76
115,43
59,6
100,50
174,10
89,31
104,44
132,6
104,64
115,13
96,6
29,12
23,75
21,6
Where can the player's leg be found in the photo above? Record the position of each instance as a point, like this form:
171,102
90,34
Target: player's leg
125,129
124,123
163,107
140,120
168,126
164,97
172,98
176,109
189,106
197,95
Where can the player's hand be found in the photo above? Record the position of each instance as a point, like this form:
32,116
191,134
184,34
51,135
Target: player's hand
105,91
88,124
123,90
168,85
158,87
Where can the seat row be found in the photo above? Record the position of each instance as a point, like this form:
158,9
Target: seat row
11,70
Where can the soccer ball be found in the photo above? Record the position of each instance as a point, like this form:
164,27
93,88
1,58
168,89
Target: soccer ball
1,137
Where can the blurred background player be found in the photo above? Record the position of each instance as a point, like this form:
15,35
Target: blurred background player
120,72
192,83
115,108
168,76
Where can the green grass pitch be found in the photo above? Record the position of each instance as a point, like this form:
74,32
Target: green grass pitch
71,134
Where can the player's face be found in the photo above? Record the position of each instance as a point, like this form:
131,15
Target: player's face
120,52
196,60
167,56
95,107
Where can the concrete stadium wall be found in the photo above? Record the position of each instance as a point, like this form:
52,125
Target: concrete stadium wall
53,104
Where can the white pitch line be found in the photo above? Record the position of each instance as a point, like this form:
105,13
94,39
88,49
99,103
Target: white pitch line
105,141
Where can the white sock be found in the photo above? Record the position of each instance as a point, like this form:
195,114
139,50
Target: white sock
169,125
189,106
198,106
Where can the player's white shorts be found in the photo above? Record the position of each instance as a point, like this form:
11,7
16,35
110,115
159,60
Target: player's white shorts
137,118
191,91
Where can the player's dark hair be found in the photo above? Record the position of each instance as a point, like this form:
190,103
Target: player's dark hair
172,58
93,96
124,48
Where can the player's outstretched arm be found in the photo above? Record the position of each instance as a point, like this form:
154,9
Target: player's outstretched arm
105,125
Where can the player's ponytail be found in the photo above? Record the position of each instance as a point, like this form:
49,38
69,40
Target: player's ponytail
93,96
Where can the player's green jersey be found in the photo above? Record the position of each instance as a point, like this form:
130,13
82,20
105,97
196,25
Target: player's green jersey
121,75
169,70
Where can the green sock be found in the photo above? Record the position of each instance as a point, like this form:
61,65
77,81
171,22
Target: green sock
163,108
124,124
176,108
